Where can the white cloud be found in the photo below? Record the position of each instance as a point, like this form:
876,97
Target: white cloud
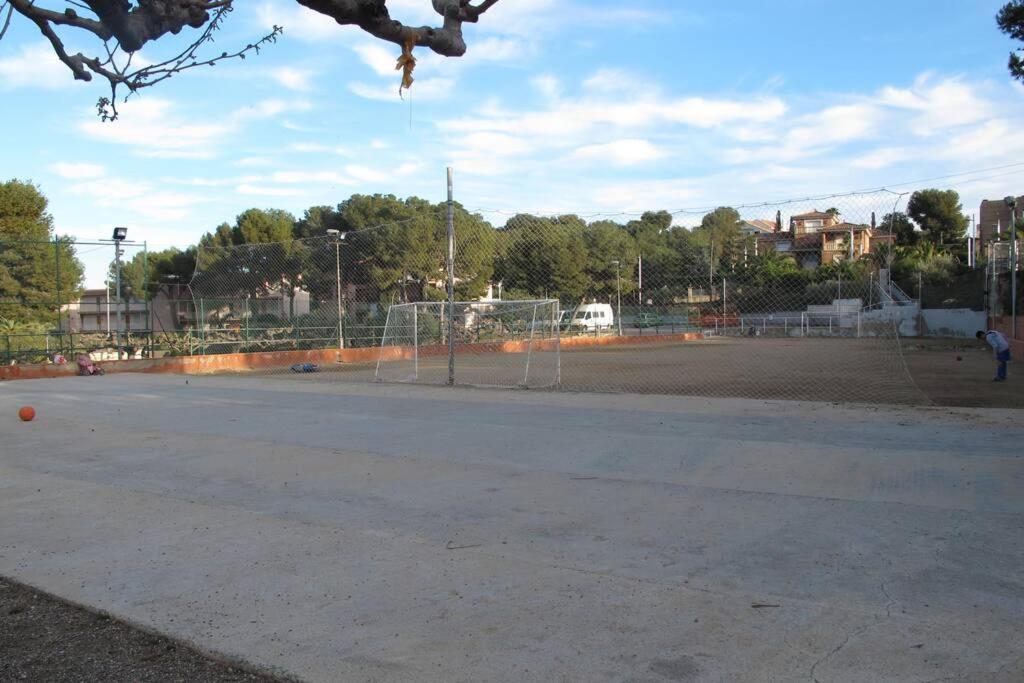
422,90
253,161
366,174
311,177
941,104
318,148
379,58
503,50
149,125
292,78
548,85
298,22
615,81
155,129
625,152
77,171
137,198
881,158
268,191
408,168
35,66
269,109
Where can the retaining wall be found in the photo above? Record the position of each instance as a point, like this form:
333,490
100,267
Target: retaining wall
241,362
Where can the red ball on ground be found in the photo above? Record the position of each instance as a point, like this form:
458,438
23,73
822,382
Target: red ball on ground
27,413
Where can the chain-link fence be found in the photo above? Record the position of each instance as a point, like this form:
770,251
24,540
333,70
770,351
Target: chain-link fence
48,311
788,301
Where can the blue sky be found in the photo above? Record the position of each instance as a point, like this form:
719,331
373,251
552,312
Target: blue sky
559,105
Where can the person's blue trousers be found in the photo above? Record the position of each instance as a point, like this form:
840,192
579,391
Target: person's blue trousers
1002,357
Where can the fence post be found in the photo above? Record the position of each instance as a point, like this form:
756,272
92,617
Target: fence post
450,229
56,263
202,327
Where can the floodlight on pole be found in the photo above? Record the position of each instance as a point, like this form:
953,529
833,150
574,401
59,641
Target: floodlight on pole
337,237
618,296
120,233
1011,203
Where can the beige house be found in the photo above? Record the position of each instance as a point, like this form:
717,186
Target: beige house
99,311
820,237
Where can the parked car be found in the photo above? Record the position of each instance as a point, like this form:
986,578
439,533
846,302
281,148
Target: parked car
648,320
593,317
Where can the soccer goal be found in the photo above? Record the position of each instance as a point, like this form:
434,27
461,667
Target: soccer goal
493,343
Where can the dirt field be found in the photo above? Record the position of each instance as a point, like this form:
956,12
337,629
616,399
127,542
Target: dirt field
46,639
835,370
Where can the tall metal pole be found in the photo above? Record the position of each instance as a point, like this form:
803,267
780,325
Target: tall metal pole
337,275
640,280
1013,271
117,293
723,306
145,297
451,281
618,297
56,262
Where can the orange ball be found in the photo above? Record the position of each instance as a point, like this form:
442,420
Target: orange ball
27,413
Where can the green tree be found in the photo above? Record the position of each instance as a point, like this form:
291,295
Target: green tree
939,214
899,224
608,244
394,247
146,272
544,257
1011,22
39,272
260,226
317,220
719,231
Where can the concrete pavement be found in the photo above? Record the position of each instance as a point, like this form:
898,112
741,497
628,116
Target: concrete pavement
366,532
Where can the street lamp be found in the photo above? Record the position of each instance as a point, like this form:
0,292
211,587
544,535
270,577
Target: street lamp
337,237
1011,202
618,296
119,234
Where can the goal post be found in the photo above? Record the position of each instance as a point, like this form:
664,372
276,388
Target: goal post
492,343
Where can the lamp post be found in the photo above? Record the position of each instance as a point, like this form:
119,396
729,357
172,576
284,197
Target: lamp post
337,237
618,296
1011,202
127,318
119,234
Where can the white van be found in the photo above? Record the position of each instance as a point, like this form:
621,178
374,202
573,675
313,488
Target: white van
592,317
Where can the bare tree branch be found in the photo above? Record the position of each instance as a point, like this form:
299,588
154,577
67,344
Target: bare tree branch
7,20
127,25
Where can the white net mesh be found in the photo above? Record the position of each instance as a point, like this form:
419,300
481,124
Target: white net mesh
791,301
495,343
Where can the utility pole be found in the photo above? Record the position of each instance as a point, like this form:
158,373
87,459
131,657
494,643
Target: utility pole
1012,203
451,281
640,280
119,235
338,236
618,297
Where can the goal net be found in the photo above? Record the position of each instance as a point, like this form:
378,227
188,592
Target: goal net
495,343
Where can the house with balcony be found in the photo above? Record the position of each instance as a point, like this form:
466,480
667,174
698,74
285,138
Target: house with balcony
99,311
822,237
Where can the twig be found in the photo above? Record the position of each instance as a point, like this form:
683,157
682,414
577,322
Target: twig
450,546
